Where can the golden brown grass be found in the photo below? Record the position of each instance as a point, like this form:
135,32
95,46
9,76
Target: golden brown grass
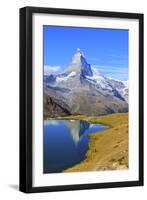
108,149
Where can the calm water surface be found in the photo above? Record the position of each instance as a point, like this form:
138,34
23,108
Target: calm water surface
66,143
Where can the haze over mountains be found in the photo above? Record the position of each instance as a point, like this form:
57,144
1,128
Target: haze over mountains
81,89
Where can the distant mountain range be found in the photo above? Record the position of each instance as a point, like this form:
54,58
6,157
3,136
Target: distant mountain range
81,89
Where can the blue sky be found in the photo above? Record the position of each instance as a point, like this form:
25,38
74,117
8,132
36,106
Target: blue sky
106,49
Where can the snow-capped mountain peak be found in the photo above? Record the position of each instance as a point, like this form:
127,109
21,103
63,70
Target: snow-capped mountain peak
75,64
79,64
80,74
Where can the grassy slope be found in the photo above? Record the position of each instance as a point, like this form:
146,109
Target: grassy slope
108,149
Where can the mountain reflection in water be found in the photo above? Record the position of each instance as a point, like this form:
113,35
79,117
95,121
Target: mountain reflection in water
65,143
76,129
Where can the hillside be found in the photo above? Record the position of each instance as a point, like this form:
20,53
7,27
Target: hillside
108,149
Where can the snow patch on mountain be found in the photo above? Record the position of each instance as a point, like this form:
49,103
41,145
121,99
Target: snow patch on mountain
65,78
121,87
99,80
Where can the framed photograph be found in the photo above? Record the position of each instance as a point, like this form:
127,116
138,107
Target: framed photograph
81,99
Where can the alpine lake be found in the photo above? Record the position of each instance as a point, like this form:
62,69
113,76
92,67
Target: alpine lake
65,143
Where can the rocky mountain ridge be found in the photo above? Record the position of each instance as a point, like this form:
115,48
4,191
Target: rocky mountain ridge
82,89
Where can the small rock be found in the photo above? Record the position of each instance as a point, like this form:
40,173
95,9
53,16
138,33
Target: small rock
121,167
115,164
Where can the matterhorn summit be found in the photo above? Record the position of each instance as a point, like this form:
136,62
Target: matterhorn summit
79,64
77,57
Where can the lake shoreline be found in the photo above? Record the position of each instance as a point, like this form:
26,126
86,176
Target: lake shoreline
66,142
108,149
